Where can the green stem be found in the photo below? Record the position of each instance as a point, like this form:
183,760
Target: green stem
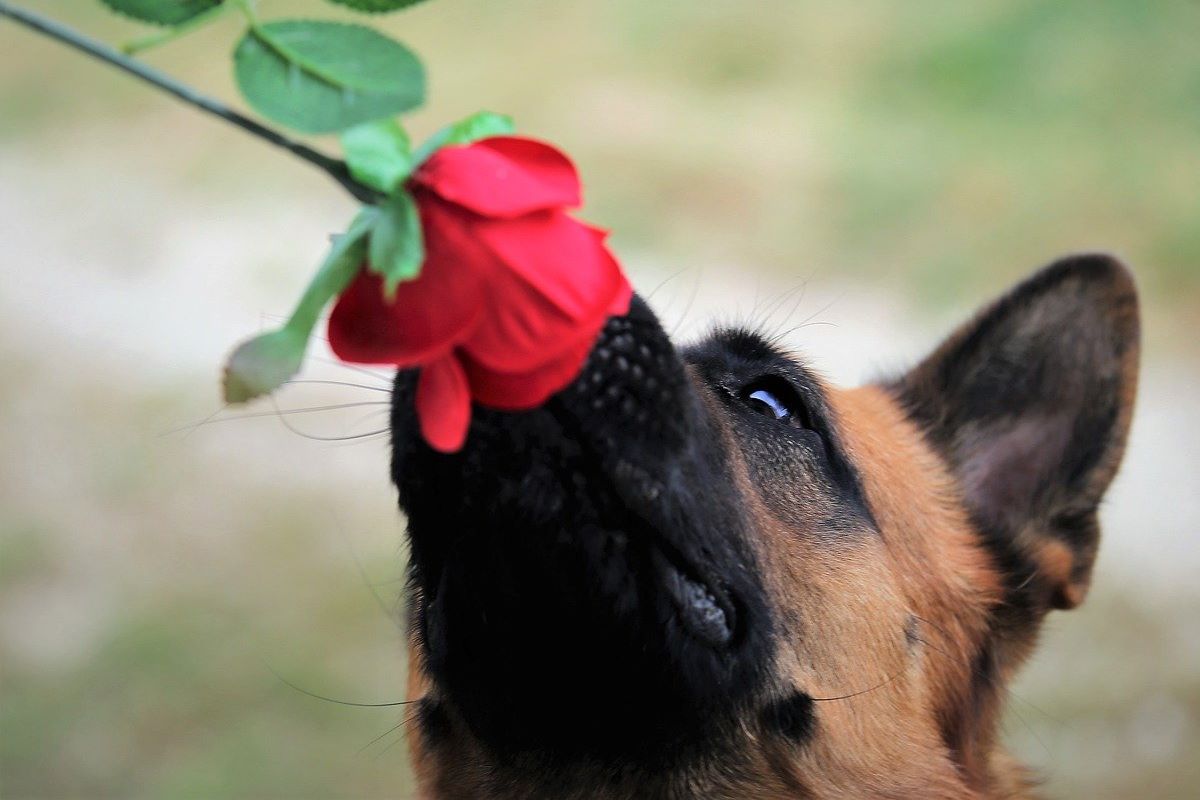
339,268
65,35
171,34
247,11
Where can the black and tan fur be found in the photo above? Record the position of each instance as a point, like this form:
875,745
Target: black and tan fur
649,589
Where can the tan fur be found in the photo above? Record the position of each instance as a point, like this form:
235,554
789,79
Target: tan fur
880,707
923,576
417,685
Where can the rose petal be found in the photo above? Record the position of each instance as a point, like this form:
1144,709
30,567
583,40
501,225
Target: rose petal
428,315
521,391
558,281
443,404
619,306
502,177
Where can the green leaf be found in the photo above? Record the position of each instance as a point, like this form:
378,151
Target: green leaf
262,364
377,6
321,77
161,12
479,125
397,248
377,154
349,56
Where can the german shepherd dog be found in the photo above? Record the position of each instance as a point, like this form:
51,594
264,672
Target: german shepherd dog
700,572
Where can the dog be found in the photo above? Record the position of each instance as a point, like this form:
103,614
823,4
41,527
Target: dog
700,572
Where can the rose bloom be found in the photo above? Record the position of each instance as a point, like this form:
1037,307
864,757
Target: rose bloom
512,294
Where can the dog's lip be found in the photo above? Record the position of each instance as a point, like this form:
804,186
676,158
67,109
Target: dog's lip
704,608
704,605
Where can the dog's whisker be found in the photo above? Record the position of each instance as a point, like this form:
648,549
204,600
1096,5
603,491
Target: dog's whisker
991,680
775,304
211,420
791,311
650,295
687,309
351,384
378,738
350,438
1029,728
874,688
365,417
387,379
837,299
318,438
347,441
388,612
773,309
351,703
211,417
407,719
783,335
192,428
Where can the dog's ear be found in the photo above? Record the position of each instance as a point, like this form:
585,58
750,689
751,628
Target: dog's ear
1030,404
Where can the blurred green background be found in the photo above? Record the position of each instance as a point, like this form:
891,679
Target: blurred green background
858,175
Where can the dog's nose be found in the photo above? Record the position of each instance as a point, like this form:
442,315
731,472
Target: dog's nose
632,381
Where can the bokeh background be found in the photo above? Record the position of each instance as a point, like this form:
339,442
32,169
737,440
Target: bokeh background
857,175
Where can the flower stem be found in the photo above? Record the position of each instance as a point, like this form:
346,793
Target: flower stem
171,34
335,168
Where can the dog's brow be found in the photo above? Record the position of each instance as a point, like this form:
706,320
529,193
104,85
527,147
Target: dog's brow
729,358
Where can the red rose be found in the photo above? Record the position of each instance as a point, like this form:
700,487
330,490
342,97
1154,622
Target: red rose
512,294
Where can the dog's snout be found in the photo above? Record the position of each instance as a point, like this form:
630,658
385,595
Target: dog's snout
594,541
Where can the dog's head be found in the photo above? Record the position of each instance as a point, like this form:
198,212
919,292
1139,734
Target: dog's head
701,572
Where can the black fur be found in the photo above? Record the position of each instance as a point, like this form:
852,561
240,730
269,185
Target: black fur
543,555
792,717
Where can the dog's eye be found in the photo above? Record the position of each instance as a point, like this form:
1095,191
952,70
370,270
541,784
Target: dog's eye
767,404
775,399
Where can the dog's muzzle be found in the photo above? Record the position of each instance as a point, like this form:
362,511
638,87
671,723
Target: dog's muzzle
587,560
